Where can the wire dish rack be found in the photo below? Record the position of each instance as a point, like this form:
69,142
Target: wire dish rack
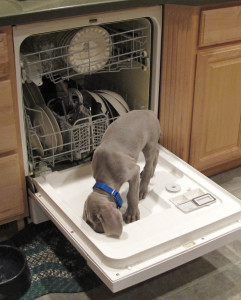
61,55
47,147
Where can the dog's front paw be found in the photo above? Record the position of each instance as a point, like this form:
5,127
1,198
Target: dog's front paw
131,215
143,192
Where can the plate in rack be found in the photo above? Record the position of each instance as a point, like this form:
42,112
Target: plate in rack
89,49
117,97
115,103
44,128
36,144
55,126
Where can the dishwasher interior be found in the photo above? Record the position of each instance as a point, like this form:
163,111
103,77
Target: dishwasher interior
76,82
75,77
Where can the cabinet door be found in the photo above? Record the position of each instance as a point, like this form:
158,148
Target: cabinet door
4,66
11,191
8,139
215,138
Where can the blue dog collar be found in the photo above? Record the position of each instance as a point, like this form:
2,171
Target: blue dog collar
109,190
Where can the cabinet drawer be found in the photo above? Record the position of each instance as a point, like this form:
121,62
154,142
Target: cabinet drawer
220,25
3,55
11,193
8,137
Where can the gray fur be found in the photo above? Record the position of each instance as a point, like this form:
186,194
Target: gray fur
114,163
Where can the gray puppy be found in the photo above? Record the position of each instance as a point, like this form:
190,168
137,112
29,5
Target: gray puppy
114,163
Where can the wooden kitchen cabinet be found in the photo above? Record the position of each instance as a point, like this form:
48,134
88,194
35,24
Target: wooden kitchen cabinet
13,199
11,190
216,130
8,137
200,96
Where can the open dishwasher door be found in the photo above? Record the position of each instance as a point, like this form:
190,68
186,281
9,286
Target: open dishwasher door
184,216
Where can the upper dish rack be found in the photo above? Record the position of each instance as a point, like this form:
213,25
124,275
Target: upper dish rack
62,55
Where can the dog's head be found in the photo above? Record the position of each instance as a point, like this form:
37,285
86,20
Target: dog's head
102,215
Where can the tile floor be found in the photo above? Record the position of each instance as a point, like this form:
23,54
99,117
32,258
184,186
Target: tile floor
216,275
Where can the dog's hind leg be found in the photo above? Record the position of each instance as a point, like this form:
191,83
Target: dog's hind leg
155,160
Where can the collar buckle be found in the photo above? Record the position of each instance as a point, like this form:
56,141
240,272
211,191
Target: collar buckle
112,192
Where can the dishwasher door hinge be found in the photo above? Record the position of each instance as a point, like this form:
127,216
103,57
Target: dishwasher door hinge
30,185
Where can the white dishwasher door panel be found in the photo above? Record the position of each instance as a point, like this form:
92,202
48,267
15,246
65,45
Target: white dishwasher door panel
184,216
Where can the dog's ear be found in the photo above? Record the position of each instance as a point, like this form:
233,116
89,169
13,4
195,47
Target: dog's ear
111,220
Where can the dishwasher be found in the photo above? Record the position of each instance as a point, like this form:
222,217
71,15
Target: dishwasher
75,76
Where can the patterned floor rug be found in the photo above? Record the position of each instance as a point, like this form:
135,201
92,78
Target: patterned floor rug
55,265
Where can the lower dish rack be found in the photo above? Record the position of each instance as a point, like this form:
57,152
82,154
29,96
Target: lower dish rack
50,143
